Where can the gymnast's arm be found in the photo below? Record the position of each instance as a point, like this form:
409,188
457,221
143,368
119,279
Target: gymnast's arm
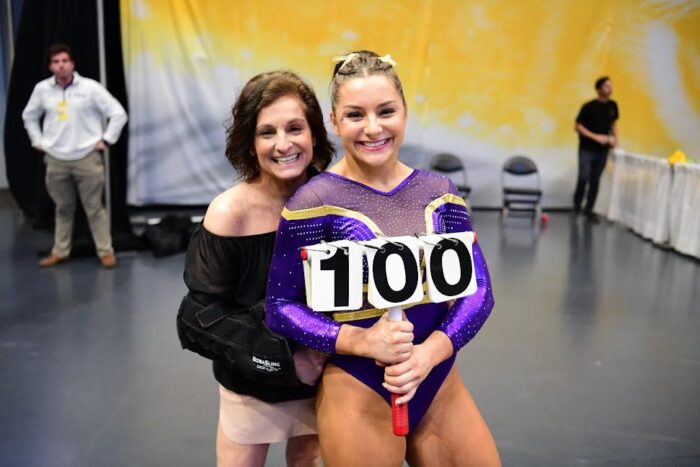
467,315
286,310
462,322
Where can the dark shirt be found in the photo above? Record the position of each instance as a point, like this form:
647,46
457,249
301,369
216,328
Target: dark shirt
233,270
597,117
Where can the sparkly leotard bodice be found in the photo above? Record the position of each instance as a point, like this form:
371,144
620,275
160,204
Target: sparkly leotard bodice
331,207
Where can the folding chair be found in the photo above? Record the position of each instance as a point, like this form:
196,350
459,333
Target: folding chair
521,184
450,165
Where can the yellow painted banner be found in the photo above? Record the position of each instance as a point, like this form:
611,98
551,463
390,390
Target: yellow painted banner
484,80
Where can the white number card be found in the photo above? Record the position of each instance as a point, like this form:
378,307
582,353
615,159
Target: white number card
394,271
449,265
333,276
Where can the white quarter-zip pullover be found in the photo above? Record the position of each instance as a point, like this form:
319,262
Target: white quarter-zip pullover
73,117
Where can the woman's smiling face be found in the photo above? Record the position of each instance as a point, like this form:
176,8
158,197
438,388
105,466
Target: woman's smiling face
283,139
370,119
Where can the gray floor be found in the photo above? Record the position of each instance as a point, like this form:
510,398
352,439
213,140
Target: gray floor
591,357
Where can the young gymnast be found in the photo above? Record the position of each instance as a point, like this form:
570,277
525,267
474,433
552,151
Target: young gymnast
370,194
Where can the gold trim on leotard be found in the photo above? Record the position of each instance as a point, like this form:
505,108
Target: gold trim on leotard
345,316
331,210
435,204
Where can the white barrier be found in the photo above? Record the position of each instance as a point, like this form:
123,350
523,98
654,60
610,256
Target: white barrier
684,209
654,199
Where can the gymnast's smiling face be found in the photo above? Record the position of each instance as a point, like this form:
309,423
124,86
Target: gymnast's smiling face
370,119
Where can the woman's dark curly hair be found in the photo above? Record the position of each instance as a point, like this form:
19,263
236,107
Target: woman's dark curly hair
261,91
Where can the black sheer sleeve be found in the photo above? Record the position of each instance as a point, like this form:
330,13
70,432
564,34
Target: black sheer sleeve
222,316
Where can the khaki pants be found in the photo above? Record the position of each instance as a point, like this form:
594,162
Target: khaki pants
62,179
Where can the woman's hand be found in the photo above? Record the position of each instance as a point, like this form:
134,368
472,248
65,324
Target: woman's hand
387,342
309,365
405,377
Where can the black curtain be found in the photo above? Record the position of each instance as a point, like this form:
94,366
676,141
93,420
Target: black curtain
42,23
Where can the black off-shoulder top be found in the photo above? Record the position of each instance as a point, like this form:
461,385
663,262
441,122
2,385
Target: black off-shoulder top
233,271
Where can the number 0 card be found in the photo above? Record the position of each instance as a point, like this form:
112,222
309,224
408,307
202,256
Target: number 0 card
449,265
394,271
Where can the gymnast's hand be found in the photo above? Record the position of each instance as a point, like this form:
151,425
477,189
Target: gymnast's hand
405,377
388,342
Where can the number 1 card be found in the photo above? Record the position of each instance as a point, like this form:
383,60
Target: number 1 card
333,276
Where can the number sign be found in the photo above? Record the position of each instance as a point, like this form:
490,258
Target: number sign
333,271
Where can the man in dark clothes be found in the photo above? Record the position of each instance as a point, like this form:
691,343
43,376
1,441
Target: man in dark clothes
596,125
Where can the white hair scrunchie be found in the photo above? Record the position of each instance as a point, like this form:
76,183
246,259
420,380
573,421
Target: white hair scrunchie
387,59
345,59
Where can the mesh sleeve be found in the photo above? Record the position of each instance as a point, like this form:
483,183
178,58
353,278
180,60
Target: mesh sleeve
467,315
286,310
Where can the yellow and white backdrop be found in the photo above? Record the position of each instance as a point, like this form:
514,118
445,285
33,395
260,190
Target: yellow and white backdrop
484,79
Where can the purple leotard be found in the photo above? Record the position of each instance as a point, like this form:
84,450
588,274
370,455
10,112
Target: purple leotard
330,207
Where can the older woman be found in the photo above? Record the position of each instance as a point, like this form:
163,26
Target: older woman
275,141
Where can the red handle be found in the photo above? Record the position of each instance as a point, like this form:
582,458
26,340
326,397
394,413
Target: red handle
399,416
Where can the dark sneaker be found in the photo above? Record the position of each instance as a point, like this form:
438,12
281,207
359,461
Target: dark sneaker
592,217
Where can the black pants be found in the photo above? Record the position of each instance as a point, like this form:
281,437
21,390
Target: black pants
590,168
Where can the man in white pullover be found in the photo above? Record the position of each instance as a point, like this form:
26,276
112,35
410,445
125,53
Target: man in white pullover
73,136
